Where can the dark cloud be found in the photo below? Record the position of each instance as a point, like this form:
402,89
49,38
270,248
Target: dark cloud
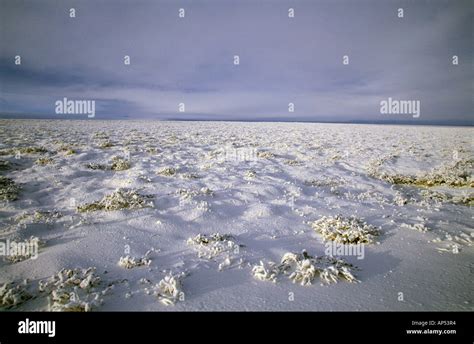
282,60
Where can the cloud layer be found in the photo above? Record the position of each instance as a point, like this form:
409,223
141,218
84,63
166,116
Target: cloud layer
282,60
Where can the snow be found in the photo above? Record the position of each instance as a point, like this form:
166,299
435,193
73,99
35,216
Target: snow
149,215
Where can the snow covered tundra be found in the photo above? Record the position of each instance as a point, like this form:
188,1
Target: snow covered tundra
148,215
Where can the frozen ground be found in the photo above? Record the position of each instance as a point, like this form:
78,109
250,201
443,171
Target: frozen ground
261,186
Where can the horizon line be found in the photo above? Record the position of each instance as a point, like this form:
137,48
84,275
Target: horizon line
257,120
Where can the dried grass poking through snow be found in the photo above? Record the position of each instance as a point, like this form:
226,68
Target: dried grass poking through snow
217,245
191,193
44,161
443,197
454,174
325,182
73,290
342,230
105,144
303,269
250,174
211,246
265,155
4,165
191,196
452,248
453,243
120,199
8,189
23,150
189,175
167,171
419,227
13,294
32,150
293,163
97,166
266,272
38,216
67,149
128,262
116,164
169,289
119,164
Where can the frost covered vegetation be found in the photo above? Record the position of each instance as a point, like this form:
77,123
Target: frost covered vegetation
342,230
69,290
443,197
89,189
67,149
303,269
13,294
44,161
190,193
250,174
212,245
128,262
73,290
458,173
116,164
169,289
4,165
43,216
105,144
23,150
118,200
217,246
167,171
265,155
8,189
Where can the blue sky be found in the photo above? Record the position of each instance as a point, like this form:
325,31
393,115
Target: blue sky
282,60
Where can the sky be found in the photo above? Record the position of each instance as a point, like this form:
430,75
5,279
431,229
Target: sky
283,60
